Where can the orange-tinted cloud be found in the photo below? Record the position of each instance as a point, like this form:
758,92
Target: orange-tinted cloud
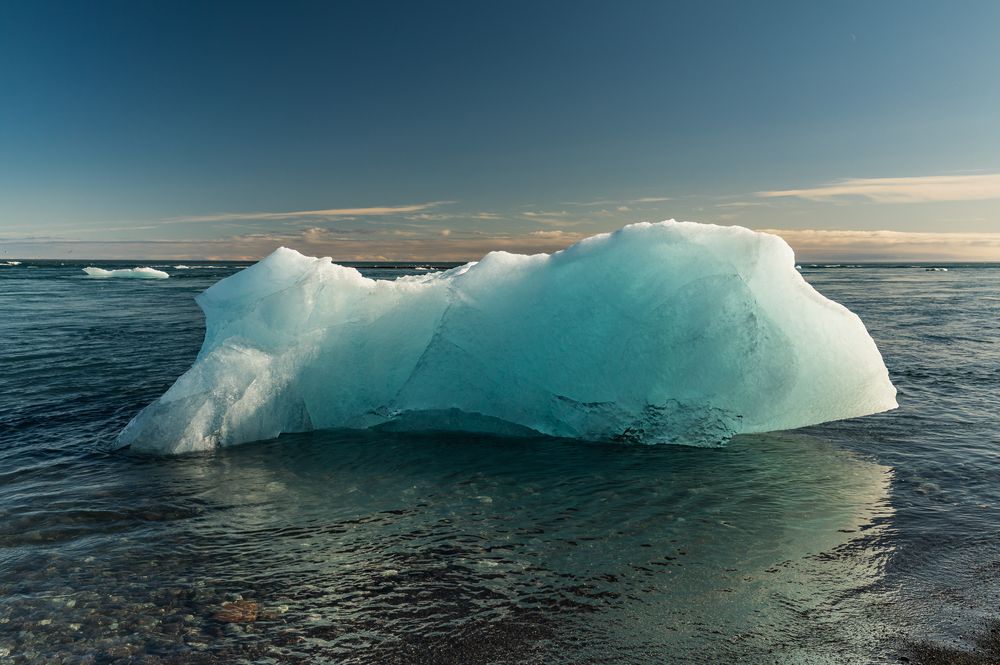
825,245
921,189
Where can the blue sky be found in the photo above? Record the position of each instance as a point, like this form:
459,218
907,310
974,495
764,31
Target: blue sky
443,130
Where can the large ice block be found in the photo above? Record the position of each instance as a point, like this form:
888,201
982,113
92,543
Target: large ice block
658,333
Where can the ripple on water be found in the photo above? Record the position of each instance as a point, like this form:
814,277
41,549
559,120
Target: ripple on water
386,547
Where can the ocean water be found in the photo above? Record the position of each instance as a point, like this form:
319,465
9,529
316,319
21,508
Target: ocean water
852,542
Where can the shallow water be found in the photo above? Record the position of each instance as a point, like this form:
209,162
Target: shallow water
840,543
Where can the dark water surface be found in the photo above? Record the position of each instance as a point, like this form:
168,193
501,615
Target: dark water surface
843,543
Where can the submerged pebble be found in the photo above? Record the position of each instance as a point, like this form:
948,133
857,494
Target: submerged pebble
237,611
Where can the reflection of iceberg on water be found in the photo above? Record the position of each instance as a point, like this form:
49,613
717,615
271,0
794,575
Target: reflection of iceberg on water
782,541
768,547
659,333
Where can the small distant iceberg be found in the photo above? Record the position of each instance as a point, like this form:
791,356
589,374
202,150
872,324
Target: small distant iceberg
657,333
182,267
129,273
936,269
10,263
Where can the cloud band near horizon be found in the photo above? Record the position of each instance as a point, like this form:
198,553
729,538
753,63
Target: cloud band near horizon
456,245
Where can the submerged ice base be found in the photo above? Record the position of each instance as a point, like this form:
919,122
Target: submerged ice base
659,333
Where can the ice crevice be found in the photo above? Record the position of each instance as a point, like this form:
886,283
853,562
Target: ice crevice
658,333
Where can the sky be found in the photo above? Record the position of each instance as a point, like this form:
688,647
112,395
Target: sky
434,130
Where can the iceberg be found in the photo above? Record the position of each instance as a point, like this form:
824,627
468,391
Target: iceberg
673,332
132,273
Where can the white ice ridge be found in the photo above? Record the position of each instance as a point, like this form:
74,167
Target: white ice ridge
133,273
660,333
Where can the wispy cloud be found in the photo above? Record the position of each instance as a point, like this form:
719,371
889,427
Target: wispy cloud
556,234
431,243
612,202
852,245
328,213
559,218
443,216
443,244
741,204
542,213
919,189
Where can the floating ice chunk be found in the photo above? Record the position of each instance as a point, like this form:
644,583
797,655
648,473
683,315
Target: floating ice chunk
659,333
133,273
10,263
184,267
